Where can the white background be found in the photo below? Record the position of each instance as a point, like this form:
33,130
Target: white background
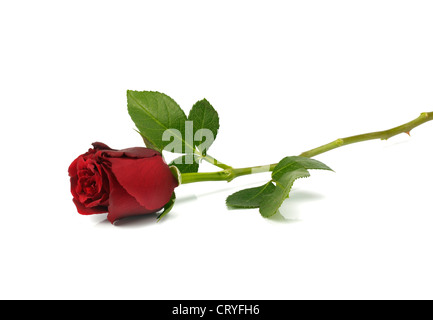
285,76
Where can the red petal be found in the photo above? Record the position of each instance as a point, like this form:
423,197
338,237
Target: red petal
148,180
87,211
100,146
137,152
72,170
140,152
122,204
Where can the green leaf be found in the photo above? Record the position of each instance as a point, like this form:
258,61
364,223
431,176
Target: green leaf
273,201
250,198
285,173
147,143
167,208
205,125
159,119
186,163
269,197
295,162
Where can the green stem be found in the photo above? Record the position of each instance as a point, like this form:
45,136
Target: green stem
213,161
383,135
229,173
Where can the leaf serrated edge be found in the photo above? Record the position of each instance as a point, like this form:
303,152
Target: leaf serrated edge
154,118
286,190
263,188
204,109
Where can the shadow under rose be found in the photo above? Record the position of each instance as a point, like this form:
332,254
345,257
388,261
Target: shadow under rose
135,221
290,211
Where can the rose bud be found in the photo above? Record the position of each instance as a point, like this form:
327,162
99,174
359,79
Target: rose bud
124,183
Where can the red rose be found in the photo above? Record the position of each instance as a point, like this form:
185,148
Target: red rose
123,183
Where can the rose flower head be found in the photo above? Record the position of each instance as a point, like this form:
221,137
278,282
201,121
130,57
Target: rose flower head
124,183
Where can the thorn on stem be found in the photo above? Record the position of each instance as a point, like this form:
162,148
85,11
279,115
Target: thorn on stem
408,133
